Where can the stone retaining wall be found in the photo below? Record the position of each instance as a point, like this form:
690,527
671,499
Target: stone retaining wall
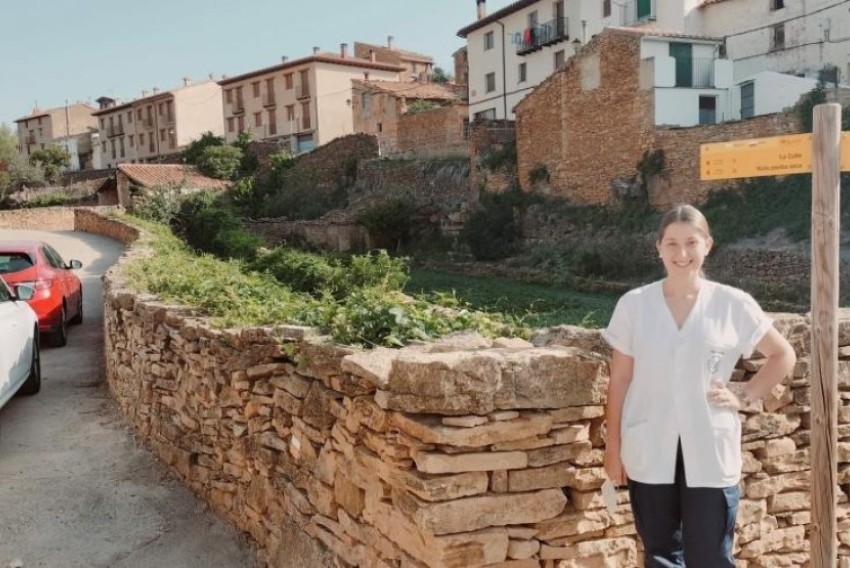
465,452
38,219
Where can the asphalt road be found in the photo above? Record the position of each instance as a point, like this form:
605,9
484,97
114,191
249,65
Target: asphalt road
77,490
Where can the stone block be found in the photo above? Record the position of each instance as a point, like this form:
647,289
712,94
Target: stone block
522,549
432,462
349,496
464,421
555,475
430,430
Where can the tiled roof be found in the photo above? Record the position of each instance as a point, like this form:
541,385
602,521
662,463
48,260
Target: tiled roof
415,90
403,52
332,58
150,175
709,2
495,16
37,112
654,32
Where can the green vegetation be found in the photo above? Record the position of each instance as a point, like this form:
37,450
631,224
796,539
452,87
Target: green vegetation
538,305
220,162
357,300
499,157
193,152
390,223
52,160
421,105
538,174
492,231
440,76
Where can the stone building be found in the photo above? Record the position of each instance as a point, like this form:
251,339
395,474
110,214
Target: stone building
417,66
132,180
69,126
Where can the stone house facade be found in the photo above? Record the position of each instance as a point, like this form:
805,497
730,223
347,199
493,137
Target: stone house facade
132,179
72,124
417,66
379,107
590,124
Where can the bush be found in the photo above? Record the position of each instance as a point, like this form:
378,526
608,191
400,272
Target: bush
195,149
492,232
390,222
499,157
207,225
538,174
159,205
220,162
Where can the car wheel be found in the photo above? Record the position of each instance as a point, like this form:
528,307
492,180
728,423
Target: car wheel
59,338
78,319
33,383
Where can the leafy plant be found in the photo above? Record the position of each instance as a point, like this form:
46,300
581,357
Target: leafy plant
220,162
52,159
421,105
499,157
206,224
492,232
195,149
538,174
390,222
159,204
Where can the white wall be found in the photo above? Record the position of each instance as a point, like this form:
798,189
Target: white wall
775,92
680,107
197,109
817,32
539,64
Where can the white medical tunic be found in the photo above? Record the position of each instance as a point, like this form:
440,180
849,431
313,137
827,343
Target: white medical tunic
673,369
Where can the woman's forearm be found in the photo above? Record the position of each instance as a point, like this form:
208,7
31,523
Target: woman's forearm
776,367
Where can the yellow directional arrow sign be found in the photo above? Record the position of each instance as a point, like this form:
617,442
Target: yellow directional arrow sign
775,156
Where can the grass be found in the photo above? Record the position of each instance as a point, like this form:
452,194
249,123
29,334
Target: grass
539,305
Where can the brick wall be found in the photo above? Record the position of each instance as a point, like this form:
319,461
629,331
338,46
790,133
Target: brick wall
436,132
381,120
325,167
590,123
265,149
680,181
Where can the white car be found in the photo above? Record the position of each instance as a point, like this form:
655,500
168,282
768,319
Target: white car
20,360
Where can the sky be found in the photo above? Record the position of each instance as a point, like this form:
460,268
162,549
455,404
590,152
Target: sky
55,50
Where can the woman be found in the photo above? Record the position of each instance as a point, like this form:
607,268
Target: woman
674,435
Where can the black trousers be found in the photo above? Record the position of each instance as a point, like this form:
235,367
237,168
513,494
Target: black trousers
685,526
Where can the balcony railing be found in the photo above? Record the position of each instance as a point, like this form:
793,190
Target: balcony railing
115,130
695,72
31,139
302,91
269,100
538,37
147,122
237,106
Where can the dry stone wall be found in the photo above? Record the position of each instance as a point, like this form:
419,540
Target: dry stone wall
464,452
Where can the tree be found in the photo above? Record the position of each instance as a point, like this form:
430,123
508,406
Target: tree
440,76
221,162
193,151
53,159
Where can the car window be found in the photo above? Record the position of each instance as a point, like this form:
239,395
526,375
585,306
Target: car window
5,295
52,257
14,262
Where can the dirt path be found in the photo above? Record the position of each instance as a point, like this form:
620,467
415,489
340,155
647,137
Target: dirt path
76,489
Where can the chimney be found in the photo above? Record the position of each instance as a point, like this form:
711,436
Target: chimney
343,50
284,58
316,50
155,90
482,8
390,42
187,81
144,93
211,76
372,57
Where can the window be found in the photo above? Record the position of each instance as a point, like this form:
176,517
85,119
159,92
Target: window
4,293
490,82
258,119
560,59
255,87
113,148
169,110
172,140
380,127
103,147
606,8
523,76
748,92
305,115
272,122
132,140
777,4
121,146
141,140
103,124
644,10
707,110
160,109
240,124
162,135
290,112
489,42
228,96
287,81
366,104
489,114
777,37
130,117
532,19
230,123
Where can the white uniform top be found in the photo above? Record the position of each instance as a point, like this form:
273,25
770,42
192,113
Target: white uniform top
673,369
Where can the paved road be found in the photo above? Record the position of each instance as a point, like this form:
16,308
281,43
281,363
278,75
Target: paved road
76,489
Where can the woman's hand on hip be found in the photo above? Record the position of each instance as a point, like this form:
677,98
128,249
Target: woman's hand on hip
614,467
726,395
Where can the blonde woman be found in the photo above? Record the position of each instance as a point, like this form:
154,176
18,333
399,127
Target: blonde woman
674,434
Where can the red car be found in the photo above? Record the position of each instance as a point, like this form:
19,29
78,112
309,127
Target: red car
58,298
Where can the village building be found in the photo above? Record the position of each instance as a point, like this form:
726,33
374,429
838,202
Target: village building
417,66
159,126
379,108
70,127
303,103
132,182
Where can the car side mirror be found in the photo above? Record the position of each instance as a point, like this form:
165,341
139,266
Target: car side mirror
75,264
24,292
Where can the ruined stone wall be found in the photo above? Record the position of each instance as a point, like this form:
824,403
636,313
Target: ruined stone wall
337,232
328,166
436,132
487,136
464,452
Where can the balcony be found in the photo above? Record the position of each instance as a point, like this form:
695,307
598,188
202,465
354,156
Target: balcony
269,100
305,123
30,139
695,72
537,37
115,130
302,91
147,122
237,107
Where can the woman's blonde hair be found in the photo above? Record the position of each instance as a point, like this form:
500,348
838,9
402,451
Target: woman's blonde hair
684,214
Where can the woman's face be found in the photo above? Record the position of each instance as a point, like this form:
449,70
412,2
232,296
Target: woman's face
683,249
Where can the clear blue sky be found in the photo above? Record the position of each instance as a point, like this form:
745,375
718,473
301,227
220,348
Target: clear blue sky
89,48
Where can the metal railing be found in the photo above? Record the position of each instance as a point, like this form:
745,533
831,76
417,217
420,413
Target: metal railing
302,91
695,72
269,100
114,130
31,139
237,106
147,122
539,36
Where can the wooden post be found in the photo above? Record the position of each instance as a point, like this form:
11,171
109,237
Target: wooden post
826,185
